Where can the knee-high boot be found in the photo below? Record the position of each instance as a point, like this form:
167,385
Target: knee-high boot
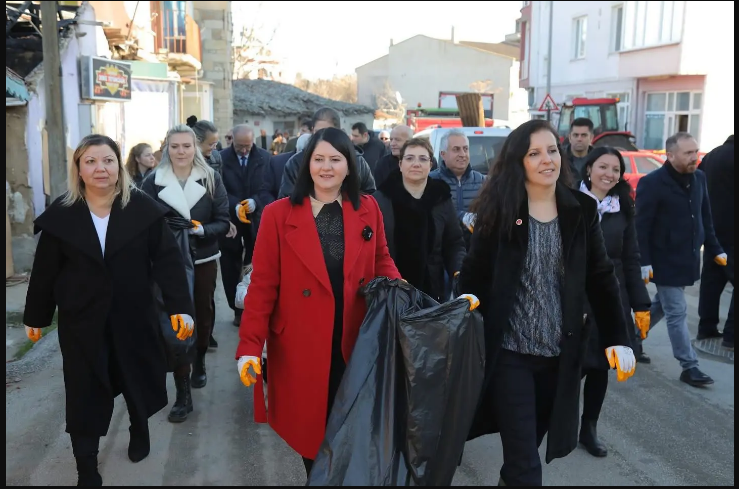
183,403
199,378
85,449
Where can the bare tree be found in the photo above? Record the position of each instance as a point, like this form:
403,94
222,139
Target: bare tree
341,88
386,100
252,57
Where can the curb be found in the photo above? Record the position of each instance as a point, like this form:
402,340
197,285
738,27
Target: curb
713,348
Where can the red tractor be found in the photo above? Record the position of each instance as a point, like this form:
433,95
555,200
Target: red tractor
604,114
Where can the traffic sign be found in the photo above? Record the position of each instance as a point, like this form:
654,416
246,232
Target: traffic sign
548,104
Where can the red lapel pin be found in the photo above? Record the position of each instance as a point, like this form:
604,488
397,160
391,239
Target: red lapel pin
519,222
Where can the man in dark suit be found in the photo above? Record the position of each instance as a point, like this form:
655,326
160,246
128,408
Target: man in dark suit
718,166
673,221
244,165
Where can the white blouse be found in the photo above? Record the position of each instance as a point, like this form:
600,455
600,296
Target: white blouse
101,227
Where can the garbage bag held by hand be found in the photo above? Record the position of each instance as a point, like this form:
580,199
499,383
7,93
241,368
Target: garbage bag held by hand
178,350
383,429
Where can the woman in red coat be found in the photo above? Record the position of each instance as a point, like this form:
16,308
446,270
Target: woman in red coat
313,253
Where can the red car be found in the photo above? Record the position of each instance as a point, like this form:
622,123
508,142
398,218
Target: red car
638,164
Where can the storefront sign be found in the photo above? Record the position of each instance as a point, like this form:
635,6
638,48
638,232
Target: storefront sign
105,79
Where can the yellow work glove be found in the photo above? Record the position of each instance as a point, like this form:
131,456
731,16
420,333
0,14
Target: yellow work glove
721,259
474,301
643,320
197,228
244,208
622,359
243,366
34,334
647,273
183,325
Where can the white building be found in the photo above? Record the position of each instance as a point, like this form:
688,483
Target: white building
671,63
423,70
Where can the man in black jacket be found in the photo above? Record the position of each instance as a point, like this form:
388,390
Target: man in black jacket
243,171
718,166
324,117
372,148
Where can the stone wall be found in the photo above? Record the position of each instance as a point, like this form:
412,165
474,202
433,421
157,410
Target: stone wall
216,32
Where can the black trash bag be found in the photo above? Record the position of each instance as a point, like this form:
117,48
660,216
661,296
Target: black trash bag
178,352
409,393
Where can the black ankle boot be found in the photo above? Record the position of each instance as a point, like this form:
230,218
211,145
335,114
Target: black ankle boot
140,445
199,378
87,471
589,439
183,403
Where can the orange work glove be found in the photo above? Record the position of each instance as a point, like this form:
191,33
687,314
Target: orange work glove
34,334
643,320
622,359
721,259
243,366
183,325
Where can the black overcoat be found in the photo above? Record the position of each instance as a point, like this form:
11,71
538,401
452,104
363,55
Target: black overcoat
492,270
106,307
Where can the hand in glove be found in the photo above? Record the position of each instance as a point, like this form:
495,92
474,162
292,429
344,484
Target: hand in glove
721,259
232,231
244,208
243,365
622,359
34,334
197,228
647,273
643,320
469,220
474,301
183,325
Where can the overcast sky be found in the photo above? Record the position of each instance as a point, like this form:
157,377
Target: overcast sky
322,39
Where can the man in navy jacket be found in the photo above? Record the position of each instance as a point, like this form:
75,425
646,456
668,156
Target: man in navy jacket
673,222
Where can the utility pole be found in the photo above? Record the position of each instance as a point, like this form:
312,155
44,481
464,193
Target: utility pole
55,130
549,56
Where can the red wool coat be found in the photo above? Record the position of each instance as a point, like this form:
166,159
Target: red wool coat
290,304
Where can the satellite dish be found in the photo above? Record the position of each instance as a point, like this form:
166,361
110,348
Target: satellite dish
398,97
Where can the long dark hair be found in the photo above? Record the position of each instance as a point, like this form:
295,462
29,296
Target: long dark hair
341,143
499,201
622,187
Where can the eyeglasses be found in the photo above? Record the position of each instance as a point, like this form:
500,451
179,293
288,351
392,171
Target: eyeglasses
412,159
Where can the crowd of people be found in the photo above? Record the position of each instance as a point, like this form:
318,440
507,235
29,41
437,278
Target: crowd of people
550,243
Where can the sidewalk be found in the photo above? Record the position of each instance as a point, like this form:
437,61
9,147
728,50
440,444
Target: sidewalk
15,301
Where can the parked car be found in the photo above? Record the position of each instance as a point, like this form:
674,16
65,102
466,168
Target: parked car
662,155
638,164
485,144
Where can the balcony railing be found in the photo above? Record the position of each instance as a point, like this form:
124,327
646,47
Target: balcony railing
176,31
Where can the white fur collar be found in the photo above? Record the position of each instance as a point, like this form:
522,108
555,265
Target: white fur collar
173,194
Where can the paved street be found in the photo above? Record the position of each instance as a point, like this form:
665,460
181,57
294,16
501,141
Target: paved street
659,431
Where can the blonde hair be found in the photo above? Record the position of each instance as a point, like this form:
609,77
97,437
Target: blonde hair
198,161
75,185
132,165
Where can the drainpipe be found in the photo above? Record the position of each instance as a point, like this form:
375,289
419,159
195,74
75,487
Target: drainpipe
549,55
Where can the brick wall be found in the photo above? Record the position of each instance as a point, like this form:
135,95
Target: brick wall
216,32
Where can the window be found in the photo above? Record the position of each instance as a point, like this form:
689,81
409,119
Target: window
623,106
617,28
648,23
670,112
646,164
579,36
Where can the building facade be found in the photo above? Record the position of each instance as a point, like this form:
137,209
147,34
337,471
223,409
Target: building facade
656,57
423,69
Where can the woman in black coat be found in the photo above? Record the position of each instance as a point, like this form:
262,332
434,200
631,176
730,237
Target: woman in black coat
102,246
604,170
190,189
536,253
141,162
423,233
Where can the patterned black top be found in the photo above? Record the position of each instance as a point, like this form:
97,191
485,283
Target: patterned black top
536,322
330,225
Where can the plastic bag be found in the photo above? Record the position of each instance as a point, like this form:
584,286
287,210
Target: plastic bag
178,352
409,393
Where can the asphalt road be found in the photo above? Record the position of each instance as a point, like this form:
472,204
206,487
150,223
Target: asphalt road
658,430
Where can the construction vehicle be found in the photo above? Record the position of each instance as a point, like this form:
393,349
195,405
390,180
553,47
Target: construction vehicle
604,114
421,118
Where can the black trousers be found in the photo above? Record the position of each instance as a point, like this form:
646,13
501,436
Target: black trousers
594,393
525,388
235,253
713,281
